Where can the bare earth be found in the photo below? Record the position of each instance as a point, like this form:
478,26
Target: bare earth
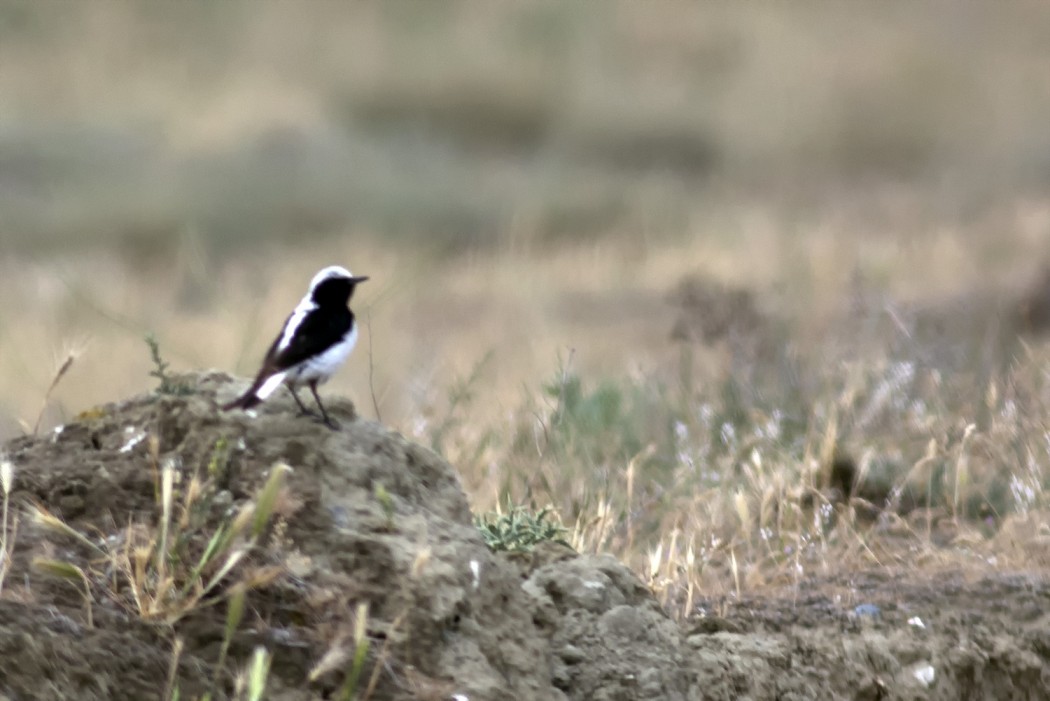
447,616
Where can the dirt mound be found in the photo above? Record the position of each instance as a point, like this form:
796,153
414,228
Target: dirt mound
366,517
609,638
450,612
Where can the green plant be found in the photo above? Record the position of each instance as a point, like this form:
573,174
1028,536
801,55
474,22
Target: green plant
519,529
348,692
166,383
257,673
386,502
352,649
249,684
234,614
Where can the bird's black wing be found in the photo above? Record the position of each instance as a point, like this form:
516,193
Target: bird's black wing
316,332
249,398
319,330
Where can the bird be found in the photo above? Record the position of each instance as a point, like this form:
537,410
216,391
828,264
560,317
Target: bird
314,342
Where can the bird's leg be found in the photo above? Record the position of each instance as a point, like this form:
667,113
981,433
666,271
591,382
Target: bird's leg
303,411
328,421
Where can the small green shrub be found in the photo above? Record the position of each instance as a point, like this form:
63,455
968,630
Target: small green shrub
519,530
167,383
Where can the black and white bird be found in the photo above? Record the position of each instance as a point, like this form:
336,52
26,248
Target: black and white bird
315,341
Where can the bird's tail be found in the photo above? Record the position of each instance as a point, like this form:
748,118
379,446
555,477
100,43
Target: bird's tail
263,387
245,401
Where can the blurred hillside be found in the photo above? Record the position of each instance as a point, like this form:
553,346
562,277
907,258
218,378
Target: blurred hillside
465,124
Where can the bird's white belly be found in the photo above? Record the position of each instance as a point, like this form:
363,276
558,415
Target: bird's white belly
321,367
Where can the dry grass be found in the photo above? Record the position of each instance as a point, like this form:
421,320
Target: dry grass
433,321
8,528
642,464
529,185
176,566
727,489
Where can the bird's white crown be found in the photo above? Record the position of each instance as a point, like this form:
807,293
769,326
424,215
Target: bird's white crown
332,271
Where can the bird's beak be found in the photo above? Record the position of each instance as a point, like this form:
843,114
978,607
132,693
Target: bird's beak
358,278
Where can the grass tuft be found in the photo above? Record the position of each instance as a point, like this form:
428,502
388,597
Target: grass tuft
234,614
49,522
71,573
8,529
181,565
60,372
171,688
349,690
258,672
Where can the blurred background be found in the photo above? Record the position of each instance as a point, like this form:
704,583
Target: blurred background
629,189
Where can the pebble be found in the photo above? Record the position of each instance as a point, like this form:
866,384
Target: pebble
571,654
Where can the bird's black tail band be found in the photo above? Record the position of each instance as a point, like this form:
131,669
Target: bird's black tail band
245,401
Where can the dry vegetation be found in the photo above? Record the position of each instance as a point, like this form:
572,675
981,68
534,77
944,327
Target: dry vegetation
717,285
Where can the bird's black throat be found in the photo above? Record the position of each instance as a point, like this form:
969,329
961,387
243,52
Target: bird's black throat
333,292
